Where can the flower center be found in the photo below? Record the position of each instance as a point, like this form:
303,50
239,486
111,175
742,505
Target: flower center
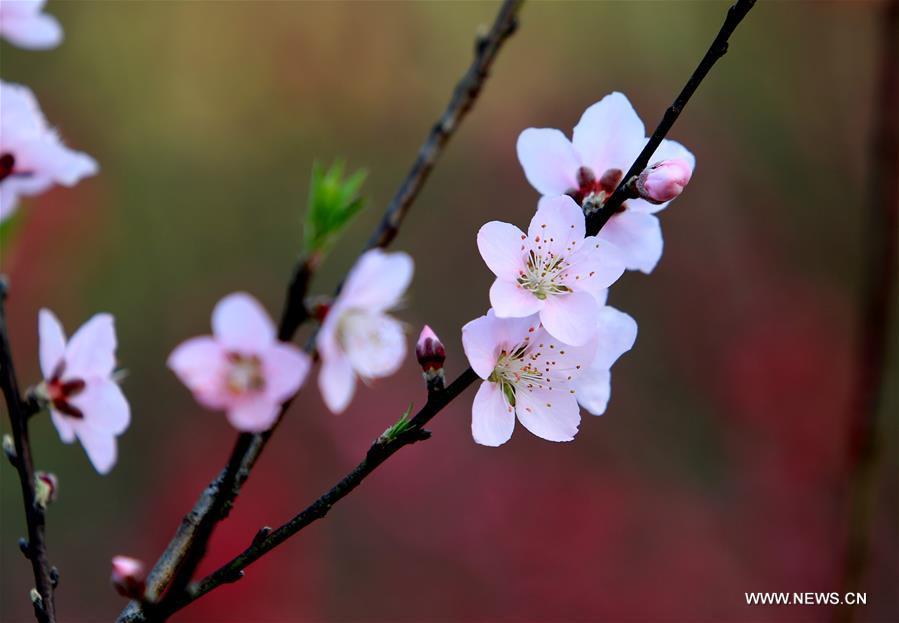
60,392
7,162
592,190
544,274
517,369
244,374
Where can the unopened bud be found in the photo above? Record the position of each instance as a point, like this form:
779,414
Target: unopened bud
664,180
9,449
128,577
431,355
46,488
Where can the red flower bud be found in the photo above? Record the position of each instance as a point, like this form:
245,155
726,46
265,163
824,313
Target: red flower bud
128,577
429,350
664,180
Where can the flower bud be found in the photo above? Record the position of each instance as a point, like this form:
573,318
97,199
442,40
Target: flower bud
46,488
128,577
9,449
664,180
431,355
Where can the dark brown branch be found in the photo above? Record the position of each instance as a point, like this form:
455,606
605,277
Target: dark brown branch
178,563
35,549
380,451
881,243
736,13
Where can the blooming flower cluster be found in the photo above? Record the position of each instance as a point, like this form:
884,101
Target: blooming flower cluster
549,341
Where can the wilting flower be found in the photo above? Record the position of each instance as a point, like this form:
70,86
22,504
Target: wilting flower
553,270
241,368
527,373
615,335
358,337
32,156
128,576
605,143
23,24
85,401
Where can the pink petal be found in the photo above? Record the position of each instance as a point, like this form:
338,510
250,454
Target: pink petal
337,383
510,300
52,342
22,24
551,415
241,324
616,333
570,318
375,344
593,389
200,364
481,341
63,426
609,134
100,447
549,160
557,226
104,406
285,369
638,236
91,351
502,247
560,362
14,187
378,281
595,266
492,419
254,414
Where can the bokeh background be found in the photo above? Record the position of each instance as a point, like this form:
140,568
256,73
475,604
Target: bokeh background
720,465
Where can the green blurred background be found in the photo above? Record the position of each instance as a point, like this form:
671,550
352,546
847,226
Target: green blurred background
719,467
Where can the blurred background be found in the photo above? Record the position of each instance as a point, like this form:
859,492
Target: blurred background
720,465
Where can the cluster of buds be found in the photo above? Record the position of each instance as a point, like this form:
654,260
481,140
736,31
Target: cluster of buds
128,577
664,181
431,355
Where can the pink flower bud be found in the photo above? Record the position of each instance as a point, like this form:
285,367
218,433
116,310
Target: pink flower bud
664,180
46,488
429,350
128,577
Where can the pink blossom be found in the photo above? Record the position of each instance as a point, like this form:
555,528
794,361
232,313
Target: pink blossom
358,337
22,23
241,368
85,401
527,373
664,180
32,156
605,143
128,576
616,333
553,270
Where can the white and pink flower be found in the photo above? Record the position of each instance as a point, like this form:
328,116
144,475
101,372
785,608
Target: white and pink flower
23,23
616,333
32,156
553,270
85,401
527,373
358,337
241,368
606,141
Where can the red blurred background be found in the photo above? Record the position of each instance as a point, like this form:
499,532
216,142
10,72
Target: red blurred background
720,466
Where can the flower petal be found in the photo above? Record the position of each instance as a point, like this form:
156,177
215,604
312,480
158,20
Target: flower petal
616,333
570,318
502,247
254,414
285,368
27,27
200,364
593,389
100,446
492,419
241,324
375,344
337,383
609,135
510,300
595,266
638,236
104,406
554,416
378,281
91,351
549,160
52,342
63,426
558,226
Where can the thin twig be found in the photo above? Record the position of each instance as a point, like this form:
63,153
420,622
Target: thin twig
178,562
881,243
380,451
35,549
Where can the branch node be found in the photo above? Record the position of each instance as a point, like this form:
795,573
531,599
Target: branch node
54,577
25,547
263,533
9,449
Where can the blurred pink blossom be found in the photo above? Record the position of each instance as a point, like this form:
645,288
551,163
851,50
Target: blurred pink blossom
85,401
32,156
552,271
605,143
526,373
358,337
22,23
664,180
128,576
242,368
